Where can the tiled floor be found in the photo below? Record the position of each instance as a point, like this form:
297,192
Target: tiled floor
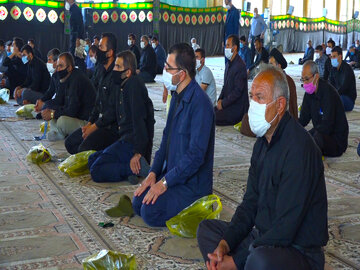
50,221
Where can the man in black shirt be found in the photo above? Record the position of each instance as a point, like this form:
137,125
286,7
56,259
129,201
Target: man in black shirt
101,129
342,77
37,79
262,56
282,220
72,105
76,25
233,101
148,62
322,105
134,48
131,154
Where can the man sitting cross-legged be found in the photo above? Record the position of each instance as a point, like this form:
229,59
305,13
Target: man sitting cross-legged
282,220
182,169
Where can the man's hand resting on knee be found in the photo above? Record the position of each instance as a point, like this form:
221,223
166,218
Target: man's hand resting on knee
135,164
219,260
148,182
88,129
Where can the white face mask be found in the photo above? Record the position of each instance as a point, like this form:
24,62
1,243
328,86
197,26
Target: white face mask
142,44
228,53
328,50
67,6
317,55
258,124
12,49
129,42
93,59
167,80
153,45
198,64
50,67
227,6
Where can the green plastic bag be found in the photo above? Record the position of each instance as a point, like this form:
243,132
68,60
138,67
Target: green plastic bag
4,95
38,154
77,164
109,260
187,221
238,126
26,111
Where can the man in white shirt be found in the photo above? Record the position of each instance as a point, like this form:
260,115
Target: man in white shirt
194,45
204,76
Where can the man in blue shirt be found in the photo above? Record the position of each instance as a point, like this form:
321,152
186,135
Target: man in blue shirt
258,27
160,54
245,52
232,21
182,170
309,53
354,57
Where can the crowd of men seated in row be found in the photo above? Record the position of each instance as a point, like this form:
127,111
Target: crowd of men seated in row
282,221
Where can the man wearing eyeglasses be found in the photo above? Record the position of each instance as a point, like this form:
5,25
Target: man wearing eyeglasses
322,105
182,168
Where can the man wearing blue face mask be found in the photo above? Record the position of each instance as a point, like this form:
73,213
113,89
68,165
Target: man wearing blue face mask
37,79
342,77
245,52
354,57
323,106
282,221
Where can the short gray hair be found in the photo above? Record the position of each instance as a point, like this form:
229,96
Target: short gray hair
281,86
313,66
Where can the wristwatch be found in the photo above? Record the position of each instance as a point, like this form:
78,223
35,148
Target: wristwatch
52,114
164,182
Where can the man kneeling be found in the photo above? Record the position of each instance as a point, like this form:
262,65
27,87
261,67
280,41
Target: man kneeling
182,169
282,220
130,155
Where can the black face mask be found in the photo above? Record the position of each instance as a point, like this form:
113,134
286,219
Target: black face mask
117,76
101,56
62,73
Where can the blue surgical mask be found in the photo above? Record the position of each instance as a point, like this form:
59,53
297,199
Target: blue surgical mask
8,53
241,45
87,48
334,62
352,53
24,59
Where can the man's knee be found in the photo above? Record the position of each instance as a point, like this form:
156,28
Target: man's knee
137,203
152,215
260,258
203,229
98,174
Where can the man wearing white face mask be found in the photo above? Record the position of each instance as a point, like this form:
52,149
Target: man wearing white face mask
148,62
134,48
282,221
160,54
204,76
233,101
194,45
320,60
182,170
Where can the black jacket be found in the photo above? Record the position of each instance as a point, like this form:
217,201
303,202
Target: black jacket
16,72
285,196
234,94
327,113
135,116
262,57
37,53
38,77
148,60
77,97
53,88
76,21
343,79
327,70
95,78
103,112
136,51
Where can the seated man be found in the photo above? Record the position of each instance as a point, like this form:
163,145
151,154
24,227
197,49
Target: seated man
37,79
322,105
204,76
342,77
182,170
277,60
194,45
354,57
320,59
37,53
308,55
96,40
282,221
357,44
148,63
17,70
262,56
160,54
245,52
71,107
53,56
101,130
233,101
8,46
134,48
3,56
131,154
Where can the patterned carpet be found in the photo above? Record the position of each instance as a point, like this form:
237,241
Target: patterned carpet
50,221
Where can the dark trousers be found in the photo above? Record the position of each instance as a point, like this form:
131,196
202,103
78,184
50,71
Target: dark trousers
72,45
210,232
348,103
98,140
167,205
358,150
327,144
226,117
146,77
111,164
